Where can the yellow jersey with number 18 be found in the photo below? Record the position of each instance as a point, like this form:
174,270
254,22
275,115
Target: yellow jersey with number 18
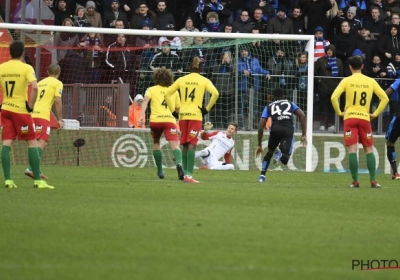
14,78
359,90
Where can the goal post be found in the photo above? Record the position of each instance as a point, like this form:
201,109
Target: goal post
242,98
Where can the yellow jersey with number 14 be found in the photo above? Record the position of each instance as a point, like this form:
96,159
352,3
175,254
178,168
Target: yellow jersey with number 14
191,89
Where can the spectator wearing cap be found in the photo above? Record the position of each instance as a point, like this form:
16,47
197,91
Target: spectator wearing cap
388,45
205,7
113,15
212,23
92,15
315,11
345,42
174,41
280,24
166,59
134,112
189,27
350,17
320,43
346,65
141,14
375,24
164,18
243,23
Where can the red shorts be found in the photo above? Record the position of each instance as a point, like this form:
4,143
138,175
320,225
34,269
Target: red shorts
357,131
42,128
169,129
190,131
17,125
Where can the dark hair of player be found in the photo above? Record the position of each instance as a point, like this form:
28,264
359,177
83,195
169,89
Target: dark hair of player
163,77
17,49
356,62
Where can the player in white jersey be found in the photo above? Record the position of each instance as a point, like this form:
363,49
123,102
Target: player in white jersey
221,145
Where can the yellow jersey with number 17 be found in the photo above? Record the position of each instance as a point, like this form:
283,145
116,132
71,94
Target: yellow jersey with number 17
191,89
14,78
359,90
48,89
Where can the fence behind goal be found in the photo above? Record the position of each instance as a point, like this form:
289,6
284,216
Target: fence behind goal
101,77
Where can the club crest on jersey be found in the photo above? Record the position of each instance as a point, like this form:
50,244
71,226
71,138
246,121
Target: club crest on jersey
25,129
193,133
60,91
39,128
348,134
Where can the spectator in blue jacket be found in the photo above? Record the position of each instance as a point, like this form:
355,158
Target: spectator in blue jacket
250,76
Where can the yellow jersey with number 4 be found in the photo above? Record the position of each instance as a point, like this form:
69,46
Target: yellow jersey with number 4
359,90
159,109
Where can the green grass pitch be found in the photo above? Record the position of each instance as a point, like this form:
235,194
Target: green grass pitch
119,223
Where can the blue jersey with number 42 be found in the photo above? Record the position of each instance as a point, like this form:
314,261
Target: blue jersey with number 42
281,112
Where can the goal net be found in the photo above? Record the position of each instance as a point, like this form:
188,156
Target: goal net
103,70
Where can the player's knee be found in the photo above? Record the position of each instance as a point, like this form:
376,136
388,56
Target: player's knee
285,159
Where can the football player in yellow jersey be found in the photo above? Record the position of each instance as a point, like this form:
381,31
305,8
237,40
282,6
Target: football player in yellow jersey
359,90
49,93
15,116
192,88
162,120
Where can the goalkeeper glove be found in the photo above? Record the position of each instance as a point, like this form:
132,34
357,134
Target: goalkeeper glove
203,111
29,109
175,114
208,126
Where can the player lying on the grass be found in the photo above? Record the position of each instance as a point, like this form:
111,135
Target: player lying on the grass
221,146
281,134
393,132
162,120
50,91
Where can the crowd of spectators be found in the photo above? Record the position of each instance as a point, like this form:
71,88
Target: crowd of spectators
367,27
